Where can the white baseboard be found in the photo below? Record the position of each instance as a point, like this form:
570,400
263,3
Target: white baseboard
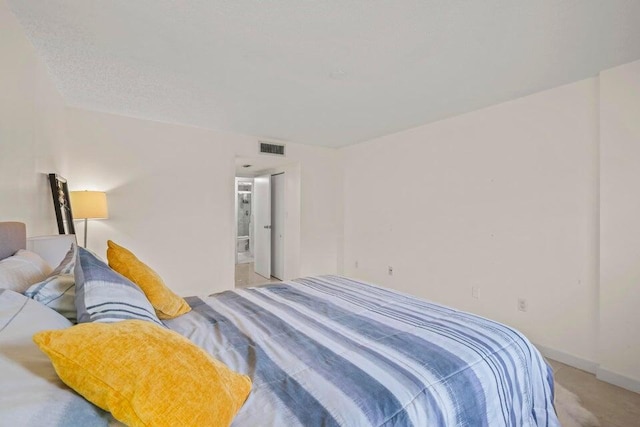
568,359
591,367
617,379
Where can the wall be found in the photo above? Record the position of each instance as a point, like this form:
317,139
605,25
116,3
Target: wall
619,347
31,129
503,199
319,190
171,196
170,187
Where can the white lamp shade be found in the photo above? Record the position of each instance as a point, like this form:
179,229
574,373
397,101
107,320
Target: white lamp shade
89,205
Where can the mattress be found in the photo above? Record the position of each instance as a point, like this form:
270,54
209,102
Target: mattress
330,351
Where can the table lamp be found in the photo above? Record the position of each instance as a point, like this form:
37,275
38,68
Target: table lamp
88,205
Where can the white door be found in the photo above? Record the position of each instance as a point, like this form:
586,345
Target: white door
277,229
262,222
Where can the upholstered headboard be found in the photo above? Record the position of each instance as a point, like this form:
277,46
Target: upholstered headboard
13,237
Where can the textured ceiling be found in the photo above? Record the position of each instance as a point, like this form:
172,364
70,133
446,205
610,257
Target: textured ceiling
331,72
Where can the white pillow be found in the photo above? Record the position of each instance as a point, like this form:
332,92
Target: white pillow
22,270
32,394
58,290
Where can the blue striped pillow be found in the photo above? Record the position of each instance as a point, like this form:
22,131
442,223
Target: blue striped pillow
58,290
102,295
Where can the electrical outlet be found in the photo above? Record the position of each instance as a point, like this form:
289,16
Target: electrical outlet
522,304
475,292
390,271
356,264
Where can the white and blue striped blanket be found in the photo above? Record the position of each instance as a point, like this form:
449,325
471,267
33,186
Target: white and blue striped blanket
327,351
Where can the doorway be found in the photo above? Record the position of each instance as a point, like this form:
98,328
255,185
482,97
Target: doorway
271,208
244,217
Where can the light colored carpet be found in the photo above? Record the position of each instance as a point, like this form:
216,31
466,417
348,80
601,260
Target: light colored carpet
570,412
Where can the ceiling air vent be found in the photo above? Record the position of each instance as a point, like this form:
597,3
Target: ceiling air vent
269,148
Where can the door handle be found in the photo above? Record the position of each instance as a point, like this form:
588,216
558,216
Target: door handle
267,227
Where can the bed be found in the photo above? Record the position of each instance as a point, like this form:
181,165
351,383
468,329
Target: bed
321,351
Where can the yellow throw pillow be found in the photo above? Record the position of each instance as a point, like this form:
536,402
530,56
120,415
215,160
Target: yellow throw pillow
145,375
166,303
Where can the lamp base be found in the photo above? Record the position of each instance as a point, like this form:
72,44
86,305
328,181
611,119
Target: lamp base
85,233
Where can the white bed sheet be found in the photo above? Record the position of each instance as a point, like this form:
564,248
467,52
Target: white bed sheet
31,394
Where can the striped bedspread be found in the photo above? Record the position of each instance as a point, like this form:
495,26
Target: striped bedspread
327,351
